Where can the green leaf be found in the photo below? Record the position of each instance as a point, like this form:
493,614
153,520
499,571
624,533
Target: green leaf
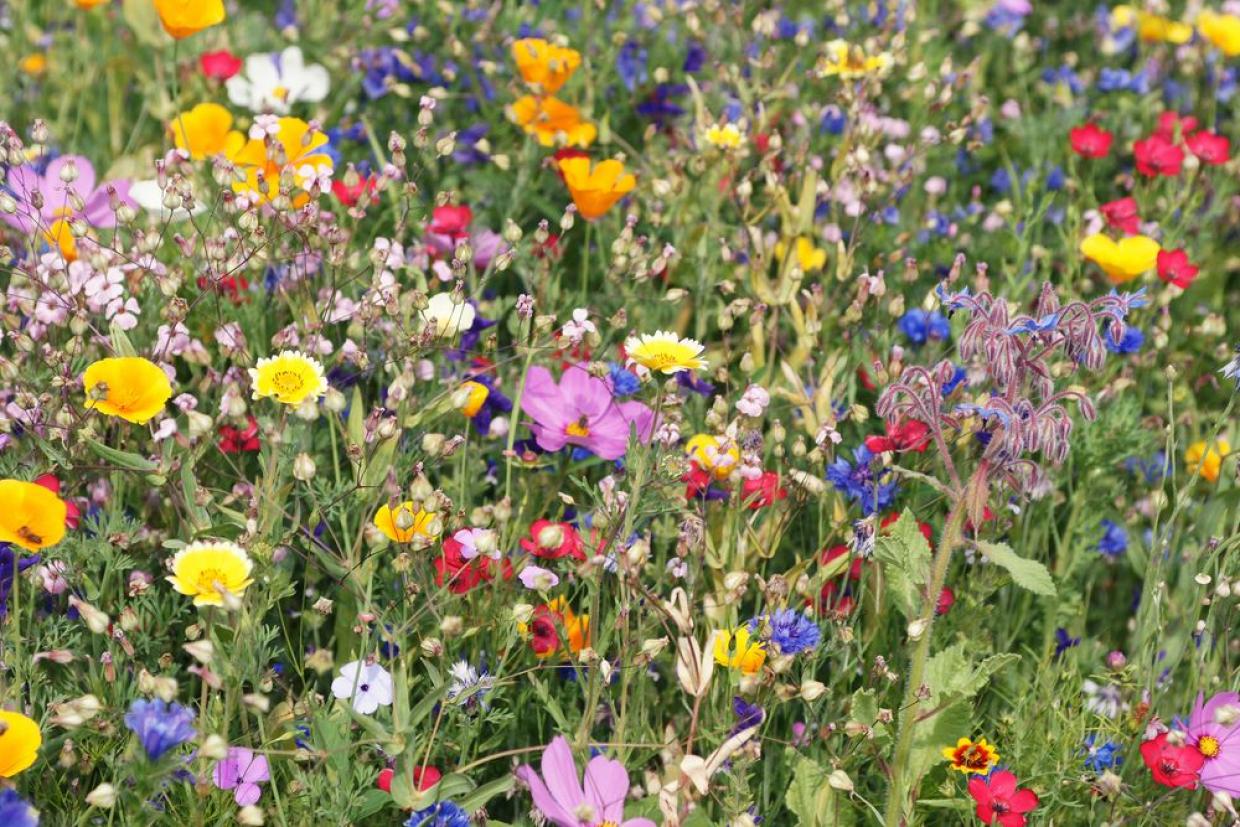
940,730
815,802
479,797
1028,574
124,459
120,341
905,556
952,676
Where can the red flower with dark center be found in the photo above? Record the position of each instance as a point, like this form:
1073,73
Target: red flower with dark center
1090,141
696,482
349,195
220,65
762,491
1156,155
544,634
552,541
998,800
909,435
52,483
236,441
1122,215
1175,268
1209,147
1168,122
1172,765
461,575
452,221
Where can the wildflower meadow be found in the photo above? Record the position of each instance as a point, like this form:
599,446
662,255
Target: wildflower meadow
605,413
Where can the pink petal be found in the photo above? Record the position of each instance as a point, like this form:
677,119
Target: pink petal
543,401
607,784
543,800
247,794
585,393
559,770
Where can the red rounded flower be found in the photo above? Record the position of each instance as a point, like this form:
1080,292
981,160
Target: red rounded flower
1122,215
452,221
909,435
1172,765
236,441
998,800
1209,147
553,541
762,491
1090,141
349,195
1170,122
1175,268
1157,155
947,599
220,65
461,575
423,778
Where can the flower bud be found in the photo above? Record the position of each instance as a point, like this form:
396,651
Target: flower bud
103,796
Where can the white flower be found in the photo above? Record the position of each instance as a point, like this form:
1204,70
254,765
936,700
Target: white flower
274,82
448,317
369,685
577,329
150,197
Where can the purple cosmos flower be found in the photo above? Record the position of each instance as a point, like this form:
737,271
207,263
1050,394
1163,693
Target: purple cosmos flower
23,182
1214,728
160,726
581,410
242,771
559,796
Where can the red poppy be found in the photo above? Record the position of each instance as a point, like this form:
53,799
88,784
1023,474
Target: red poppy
544,630
1157,155
1122,215
452,221
349,195
220,65
1169,121
236,441
423,778
1175,268
909,435
231,286
696,482
947,599
461,575
1209,147
1172,765
553,541
1090,141
763,491
998,800
52,483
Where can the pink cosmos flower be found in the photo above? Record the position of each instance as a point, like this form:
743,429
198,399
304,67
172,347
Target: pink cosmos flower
1215,731
24,182
559,795
242,771
581,410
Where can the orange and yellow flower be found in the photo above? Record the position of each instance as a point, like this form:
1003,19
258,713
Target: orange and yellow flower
1121,260
182,18
402,524
129,387
544,65
553,121
809,257
547,624
1222,30
298,145
595,191
971,757
33,517
19,742
1206,460
206,130
1151,28
736,650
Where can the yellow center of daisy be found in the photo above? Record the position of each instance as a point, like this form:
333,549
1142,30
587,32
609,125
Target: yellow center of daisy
1208,746
209,580
280,93
287,381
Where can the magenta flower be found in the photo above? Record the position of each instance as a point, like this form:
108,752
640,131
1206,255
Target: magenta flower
23,182
583,411
242,771
559,796
1214,728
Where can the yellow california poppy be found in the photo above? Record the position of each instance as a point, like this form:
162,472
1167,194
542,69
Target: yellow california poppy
300,150
544,64
704,450
849,62
1206,460
553,121
19,742
32,516
737,651
209,569
1121,260
129,387
595,191
182,18
1222,30
206,130
809,257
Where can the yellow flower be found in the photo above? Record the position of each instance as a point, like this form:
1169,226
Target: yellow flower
809,257
552,121
206,130
704,450
300,154
60,234
725,136
969,756
89,4
133,388
1206,461
290,378
544,64
475,396
595,191
19,742
850,62
182,18
1154,28
206,570
736,651
33,64
1123,260
665,351
402,524
1222,30
32,516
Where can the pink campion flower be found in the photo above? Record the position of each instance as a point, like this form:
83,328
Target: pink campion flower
559,796
242,771
1214,729
581,410
59,198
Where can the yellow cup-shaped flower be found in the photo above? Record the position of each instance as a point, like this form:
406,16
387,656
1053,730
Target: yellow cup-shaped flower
736,650
595,191
206,130
1121,260
401,524
704,450
300,148
553,121
290,378
475,396
182,18
664,351
210,569
809,257
1206,460
129,387
1222,30
19,742
544,64
31,516
1154,28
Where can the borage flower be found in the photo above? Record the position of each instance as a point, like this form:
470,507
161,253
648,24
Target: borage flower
998,800
560,798
15,812
582,410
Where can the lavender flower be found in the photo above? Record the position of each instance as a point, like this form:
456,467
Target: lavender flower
160,726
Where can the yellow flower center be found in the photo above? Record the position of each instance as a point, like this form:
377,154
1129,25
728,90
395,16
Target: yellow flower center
287,381
1208,746
661,358
578,428
280,93
210,580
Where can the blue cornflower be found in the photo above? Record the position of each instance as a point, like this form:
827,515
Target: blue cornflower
623,382
747,714
1064,641
631,64
860,484
439,814
160,726
1099,757
15,812
1114,540
922,325
792,631
1130,342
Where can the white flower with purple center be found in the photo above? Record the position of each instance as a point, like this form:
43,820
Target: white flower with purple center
368,685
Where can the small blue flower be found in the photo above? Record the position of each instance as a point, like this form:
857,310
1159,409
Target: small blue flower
631,64
859,483
440,814
160,726
1131,341
921,326
14,812
1064,641
623,382
1099,757
792,631
747,714
1114,540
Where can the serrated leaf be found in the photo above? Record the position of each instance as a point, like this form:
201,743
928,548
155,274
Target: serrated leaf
1026,573
906,557
940,730
951,675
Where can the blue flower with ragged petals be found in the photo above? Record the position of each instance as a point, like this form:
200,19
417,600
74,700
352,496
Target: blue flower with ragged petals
160,726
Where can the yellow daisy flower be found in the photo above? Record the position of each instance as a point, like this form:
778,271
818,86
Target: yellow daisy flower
1206,460
971,757
735,650
33,517
206,569
290,378
724,136
130,387
19,742
1123,260
402,524
665,351
850,62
